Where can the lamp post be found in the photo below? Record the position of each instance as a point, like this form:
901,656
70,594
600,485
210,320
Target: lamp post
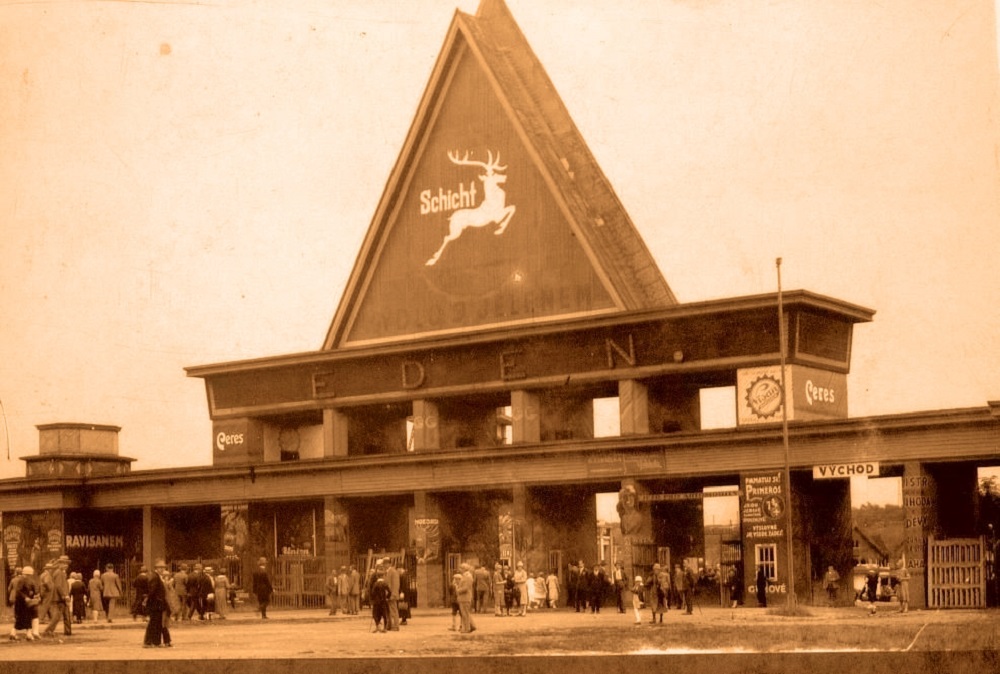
782,338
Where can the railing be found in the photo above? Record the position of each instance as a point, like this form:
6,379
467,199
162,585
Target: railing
956,573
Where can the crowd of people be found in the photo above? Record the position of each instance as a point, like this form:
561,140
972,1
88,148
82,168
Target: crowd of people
56,596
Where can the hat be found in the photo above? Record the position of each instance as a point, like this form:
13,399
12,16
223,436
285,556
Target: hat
50,565
520,563
638,579
63,558
28,571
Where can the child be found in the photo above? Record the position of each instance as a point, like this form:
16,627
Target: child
637,598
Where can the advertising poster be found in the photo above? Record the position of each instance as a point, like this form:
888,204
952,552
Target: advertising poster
764,510
428,538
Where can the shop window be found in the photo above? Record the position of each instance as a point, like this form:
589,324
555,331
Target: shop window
766,555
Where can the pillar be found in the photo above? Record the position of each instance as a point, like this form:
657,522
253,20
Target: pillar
527,424
335,433
920,521
425,536
336,533
633,407
154,536
426,431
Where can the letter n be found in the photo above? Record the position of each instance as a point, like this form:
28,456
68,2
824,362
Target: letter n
612,348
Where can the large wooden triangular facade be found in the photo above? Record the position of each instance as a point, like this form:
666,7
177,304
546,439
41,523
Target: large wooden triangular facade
496,214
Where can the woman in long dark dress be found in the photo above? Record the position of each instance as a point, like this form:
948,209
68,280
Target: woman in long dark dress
25,605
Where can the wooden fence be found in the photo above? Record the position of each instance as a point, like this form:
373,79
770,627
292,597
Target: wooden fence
956,573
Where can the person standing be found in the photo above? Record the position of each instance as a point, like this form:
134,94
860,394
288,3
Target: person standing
332,590
141,587
618,578
378,597
354,590
221,594
582,586
157,610
521,581
903,587
343,590
60,600
262,587
736,585
180,588
96,589
498,584
112,590
392,580
482,577
464,596
572,581
598,584
831,583
761,587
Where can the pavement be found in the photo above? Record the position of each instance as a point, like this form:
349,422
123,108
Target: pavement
310,640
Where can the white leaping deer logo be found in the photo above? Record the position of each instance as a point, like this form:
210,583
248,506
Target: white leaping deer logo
492,209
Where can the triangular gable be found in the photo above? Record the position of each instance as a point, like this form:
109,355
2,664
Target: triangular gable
496,214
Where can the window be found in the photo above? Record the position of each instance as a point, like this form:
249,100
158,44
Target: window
767,556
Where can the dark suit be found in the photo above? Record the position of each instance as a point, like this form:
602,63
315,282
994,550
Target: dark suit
157,609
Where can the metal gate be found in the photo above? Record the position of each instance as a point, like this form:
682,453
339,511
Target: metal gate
730,563
299,582
956,573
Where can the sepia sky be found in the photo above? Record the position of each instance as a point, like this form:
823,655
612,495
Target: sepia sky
186,183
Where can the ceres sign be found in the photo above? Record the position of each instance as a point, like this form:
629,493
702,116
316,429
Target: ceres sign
225,440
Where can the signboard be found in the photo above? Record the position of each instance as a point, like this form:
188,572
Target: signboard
814,394
237,442
834,471
764,509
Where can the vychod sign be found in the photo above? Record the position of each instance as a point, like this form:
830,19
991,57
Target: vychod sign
844,470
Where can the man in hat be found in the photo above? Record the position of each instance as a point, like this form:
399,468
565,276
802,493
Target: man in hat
521,581
157,608
262,588
60,600
392,580
464,594
112,592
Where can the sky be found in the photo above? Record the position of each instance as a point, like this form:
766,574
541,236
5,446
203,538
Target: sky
188,183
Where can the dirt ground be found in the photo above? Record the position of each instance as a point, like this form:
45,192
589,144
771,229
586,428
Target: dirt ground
313,634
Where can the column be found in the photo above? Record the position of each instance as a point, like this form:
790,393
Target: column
426,431
336,533
919,511
154,535
335,433
527,423
633,407
425,533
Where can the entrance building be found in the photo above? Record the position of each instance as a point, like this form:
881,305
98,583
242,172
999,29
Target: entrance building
450,414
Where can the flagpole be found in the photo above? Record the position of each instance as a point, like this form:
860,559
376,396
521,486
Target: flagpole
782,339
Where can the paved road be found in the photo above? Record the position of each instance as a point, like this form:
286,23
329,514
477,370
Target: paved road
313,634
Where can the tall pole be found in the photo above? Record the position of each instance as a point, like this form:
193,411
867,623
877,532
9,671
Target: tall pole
782,339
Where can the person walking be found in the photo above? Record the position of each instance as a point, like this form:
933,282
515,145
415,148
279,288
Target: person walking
482,577
903,586
78,595
60,600
552,589
331,588
638,592
598,586
112,590
262,587
156,608
96,589
343,590
24,592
